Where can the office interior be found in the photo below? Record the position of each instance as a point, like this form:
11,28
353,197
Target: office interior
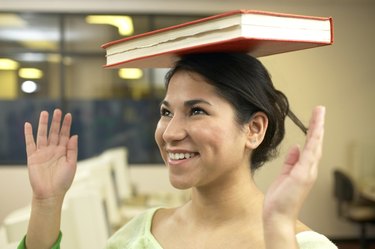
115,111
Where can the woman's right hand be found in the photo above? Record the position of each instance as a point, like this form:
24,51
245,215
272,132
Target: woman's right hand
52,159
52,163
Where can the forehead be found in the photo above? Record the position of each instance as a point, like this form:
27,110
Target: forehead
189,84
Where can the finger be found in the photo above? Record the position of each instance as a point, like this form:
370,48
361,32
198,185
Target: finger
41,138
316,130
316,121
29,139
65,130
53,137
313,147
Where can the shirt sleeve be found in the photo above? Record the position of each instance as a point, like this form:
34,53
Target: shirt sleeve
22,244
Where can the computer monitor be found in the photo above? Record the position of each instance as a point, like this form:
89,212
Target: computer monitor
98,171
118,158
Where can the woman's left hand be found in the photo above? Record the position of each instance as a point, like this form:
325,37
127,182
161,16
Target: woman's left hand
287,193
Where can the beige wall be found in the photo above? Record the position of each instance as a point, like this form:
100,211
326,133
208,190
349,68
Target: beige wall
15,190
339,76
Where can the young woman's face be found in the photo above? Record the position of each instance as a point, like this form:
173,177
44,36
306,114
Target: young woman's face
197,134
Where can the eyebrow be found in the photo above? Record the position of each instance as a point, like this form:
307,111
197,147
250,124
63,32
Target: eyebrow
188,103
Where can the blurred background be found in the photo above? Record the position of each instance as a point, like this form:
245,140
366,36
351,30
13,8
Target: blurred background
51,56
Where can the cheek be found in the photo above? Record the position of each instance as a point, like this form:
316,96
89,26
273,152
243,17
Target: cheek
214,135
223,139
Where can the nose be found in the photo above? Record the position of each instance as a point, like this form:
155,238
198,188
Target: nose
175,130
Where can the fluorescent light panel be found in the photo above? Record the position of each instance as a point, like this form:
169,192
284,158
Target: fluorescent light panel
8,64
123,23
130,73
12,20
30,73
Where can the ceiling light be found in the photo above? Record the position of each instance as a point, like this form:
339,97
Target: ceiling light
29,86
12,20
8,64
40,44
123,23
130,73
35,44
30,73
31,57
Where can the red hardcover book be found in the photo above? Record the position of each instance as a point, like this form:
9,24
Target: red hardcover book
258,33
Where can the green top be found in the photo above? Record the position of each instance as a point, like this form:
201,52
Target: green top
136,234
22,244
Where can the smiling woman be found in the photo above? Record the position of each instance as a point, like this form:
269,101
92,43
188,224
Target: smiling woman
216,127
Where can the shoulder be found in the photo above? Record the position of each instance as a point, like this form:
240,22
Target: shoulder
314,240
134,234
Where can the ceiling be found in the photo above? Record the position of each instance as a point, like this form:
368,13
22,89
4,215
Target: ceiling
160,6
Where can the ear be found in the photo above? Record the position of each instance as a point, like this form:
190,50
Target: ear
257,127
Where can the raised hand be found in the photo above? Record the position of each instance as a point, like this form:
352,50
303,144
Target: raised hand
52,163
287,193
52,159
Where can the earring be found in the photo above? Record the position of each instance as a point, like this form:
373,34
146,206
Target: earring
253,141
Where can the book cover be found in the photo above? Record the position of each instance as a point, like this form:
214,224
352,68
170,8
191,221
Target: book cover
258,33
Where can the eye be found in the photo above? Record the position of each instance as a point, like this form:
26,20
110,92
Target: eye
164,112
197,111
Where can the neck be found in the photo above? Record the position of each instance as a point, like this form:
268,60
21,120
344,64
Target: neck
227,201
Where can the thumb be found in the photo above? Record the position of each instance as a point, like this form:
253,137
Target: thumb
291,158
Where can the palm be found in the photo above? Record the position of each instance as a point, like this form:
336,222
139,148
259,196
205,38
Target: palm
52,159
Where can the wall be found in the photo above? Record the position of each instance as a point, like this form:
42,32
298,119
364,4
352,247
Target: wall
339,76
15,190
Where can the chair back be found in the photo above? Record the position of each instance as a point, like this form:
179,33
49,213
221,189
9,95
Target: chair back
344,190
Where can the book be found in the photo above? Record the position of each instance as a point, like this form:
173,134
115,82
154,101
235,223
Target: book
258,33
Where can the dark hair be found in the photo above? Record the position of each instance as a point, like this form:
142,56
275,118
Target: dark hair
245,83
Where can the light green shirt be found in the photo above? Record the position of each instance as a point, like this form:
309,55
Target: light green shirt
137,235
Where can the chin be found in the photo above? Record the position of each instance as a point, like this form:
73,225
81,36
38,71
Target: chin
181,185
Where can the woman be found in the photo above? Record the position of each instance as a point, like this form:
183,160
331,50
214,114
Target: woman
221,119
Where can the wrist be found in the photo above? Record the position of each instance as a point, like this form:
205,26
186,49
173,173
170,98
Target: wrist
279,224
44,223
279,232
47,205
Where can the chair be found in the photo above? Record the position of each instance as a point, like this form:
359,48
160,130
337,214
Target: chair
351,206
83,221
9,246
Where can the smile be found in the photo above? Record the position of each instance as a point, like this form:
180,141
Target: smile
180,156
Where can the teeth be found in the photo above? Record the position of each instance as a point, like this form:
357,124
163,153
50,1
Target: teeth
180,156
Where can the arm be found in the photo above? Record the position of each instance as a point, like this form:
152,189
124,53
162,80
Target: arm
286,195
51,165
